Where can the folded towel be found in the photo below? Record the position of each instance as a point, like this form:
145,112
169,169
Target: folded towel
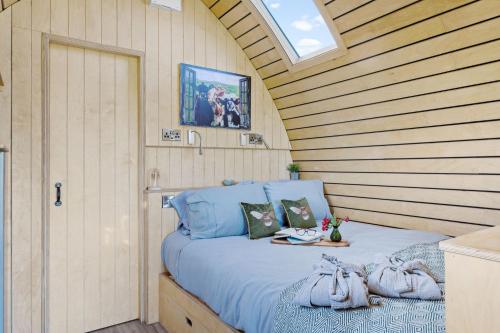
393,277
336,284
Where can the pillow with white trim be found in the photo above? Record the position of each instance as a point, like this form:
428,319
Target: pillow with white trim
216,212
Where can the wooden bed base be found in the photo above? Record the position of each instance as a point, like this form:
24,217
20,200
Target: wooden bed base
181,312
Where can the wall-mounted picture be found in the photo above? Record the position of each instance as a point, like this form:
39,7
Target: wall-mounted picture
213,98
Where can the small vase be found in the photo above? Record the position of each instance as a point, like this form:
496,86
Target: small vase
294,176
335,236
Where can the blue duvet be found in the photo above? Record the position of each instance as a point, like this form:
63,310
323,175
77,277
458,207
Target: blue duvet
242,279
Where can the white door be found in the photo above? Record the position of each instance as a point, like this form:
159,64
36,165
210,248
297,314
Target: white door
93,270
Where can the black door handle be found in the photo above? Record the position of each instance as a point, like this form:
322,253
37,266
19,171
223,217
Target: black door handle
58,194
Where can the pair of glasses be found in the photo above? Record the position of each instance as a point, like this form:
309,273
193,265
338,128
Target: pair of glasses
302,232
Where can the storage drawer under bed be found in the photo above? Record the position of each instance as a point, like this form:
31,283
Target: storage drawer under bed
181,312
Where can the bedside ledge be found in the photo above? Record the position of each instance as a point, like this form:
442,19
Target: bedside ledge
484,244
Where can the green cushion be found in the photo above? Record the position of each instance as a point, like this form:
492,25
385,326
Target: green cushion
298,213
261,220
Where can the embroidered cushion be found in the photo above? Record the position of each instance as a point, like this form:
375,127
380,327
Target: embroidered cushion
298,213
261,220
312,190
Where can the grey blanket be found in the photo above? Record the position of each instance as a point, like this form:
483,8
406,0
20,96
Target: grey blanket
395,315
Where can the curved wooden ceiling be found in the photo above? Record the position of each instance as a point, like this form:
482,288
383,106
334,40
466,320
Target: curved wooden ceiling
402,128
352,18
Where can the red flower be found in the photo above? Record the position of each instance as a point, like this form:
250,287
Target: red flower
326,223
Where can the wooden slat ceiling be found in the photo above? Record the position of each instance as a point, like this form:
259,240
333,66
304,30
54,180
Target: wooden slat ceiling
244,27
352,18
403,127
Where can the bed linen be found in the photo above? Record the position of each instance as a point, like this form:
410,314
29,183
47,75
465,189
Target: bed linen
393,315
242,279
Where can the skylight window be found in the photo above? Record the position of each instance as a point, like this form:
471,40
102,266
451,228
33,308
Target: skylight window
301,30
302,25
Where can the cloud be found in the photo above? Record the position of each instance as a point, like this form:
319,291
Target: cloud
306,24
308,45
309,42
319,20
272,4
302,25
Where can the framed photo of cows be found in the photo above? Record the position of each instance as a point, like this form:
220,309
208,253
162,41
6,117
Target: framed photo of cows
213,98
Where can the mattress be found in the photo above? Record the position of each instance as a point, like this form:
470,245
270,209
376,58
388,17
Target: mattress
242,279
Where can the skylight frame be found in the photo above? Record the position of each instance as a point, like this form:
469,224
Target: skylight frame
287,52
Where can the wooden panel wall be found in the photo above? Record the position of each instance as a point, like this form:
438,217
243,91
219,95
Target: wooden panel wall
5,140
160,222
195,36
404,128
4,4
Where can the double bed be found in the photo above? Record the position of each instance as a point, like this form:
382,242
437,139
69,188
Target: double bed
241,280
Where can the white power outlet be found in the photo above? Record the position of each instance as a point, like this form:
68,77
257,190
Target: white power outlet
169,134
255,139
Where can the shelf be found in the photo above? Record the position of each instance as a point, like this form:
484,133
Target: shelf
484,244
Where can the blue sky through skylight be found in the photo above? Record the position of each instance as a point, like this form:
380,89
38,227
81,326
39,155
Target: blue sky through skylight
302,25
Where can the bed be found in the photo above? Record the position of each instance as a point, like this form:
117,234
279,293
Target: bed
241,280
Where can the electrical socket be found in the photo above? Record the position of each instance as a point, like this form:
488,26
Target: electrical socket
169,134
255,139
166,200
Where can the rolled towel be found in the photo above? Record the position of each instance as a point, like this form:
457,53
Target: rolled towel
336,284
393,277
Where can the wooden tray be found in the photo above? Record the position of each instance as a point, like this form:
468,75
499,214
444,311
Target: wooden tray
323,242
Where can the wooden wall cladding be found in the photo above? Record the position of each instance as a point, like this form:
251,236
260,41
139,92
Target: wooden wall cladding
5,140
404,128
4,4
193,36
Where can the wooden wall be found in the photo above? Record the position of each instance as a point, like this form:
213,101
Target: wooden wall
167,38
4,4
404,128
5,140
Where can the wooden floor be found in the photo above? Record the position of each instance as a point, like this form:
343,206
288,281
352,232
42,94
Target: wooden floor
132,327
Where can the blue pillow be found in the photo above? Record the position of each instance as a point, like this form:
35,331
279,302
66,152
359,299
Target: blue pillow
180,205
216,212
312,190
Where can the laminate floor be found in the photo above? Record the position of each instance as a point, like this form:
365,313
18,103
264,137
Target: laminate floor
134,326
